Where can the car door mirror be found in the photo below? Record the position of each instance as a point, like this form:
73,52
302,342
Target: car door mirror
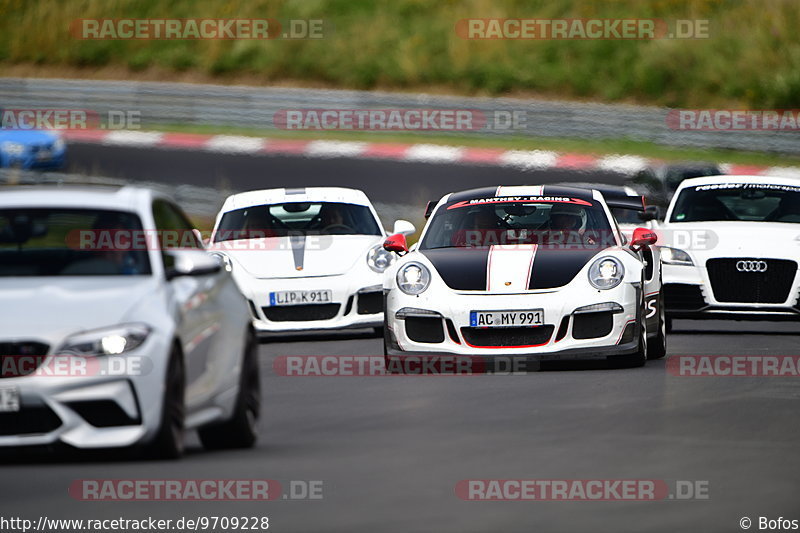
396,243
643,237
190,263
404,227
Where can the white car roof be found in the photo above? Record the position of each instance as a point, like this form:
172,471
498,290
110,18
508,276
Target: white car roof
299,194
728,178
122,198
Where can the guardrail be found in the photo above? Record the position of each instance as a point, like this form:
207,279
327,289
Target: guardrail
255,107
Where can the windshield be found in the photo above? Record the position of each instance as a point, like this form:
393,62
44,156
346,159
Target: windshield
753,202
297,218
626,216
519,220
47,242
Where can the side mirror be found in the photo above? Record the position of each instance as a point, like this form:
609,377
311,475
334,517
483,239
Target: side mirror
651,212
405,227
643,237
190,263
396,243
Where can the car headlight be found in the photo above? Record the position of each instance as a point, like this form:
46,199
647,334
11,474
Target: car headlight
59,145
379,259
413,278
107,341
606,273
13,148
674,256
226,261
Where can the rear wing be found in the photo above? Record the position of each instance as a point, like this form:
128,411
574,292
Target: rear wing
621,200
429,207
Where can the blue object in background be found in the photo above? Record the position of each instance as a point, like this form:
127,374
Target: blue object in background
28,149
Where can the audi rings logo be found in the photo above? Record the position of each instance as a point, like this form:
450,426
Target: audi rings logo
751,266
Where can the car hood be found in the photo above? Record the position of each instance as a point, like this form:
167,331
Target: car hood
55,307
704,240
510,268
28,136
299,257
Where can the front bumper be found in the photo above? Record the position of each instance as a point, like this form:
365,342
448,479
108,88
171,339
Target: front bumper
31,160
356,303
689,294
109,406
619,338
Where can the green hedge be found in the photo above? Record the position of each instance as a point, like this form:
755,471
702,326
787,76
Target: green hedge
752,58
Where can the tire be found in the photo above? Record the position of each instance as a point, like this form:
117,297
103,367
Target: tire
668,324
241,430
378,330
657,349
169,440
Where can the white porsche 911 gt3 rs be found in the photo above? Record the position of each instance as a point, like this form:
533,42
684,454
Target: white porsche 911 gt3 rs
730,248
306,258
541,272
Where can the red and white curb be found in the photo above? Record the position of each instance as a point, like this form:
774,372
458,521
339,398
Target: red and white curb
427,153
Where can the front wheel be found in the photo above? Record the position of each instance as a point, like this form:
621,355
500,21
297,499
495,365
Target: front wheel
169,441
241,431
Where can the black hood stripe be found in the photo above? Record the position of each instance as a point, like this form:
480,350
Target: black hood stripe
556,266
467,269
298,245
462,269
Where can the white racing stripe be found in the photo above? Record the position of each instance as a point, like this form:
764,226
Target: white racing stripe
520,190
508,268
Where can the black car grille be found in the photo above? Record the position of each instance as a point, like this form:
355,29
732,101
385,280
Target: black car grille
21,358
680,296
103,413
507,337
769,287
301,313
370,303
592,325
29,421
425,329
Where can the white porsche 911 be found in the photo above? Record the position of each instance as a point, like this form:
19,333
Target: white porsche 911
730,248
306,258
117,328
535,271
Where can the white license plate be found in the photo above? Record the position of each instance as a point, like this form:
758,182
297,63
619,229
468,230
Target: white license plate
9,400
300,297
506,319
